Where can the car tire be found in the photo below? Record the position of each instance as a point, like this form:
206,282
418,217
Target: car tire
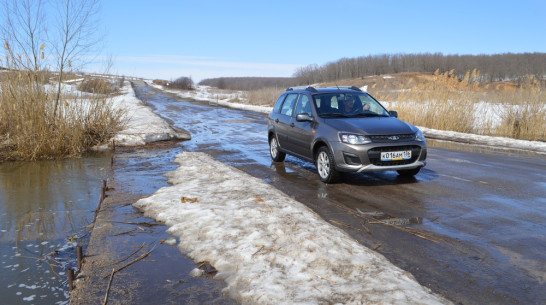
408,172
326,166
274,151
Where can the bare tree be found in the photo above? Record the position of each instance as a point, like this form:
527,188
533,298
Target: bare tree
183,82
23,33
74,35
70,33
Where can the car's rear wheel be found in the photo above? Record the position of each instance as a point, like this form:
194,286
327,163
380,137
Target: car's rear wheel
326,166
409,172
276,155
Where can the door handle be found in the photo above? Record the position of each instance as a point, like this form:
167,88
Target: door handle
276,120
292,125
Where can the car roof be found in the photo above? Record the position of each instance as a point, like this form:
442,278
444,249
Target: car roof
344,89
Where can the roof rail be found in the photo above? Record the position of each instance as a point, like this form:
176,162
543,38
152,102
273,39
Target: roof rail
348,87
308,88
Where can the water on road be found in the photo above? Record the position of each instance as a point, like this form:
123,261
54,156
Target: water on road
482,209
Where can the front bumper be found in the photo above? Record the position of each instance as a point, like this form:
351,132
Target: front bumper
366,158
375,168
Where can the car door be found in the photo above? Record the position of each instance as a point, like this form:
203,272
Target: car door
301,133
283,120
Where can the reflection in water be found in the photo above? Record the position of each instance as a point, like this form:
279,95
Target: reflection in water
45,208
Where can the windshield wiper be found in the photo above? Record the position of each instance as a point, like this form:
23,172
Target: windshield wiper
335,115
367,114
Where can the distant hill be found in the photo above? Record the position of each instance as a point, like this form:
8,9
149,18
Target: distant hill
248,83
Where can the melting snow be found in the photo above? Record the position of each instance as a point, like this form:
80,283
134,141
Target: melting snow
269,248
143,125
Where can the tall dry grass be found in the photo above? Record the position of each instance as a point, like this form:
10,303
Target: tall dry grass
265,96
29,130
522,112
446,102
443,103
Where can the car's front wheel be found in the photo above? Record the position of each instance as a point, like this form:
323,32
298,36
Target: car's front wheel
326,166
276,154
409,172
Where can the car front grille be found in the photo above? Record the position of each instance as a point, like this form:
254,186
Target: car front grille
392,138
374,155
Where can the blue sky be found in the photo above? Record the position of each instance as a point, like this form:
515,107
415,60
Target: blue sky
203,39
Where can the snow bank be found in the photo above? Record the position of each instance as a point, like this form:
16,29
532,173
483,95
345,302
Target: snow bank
269,248
143,125
501,142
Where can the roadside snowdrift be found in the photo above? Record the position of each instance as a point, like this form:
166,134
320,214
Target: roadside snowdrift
269,248
143,125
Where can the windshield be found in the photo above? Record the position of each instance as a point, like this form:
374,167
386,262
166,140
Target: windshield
347,105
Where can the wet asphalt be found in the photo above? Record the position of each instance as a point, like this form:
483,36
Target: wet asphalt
470,225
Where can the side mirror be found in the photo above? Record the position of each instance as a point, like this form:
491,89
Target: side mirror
393,113
304,117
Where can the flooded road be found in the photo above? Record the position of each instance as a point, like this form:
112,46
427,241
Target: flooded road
470,225
45,208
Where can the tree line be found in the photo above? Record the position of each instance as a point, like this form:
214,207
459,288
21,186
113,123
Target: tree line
496,67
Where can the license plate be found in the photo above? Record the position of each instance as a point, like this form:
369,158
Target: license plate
396,155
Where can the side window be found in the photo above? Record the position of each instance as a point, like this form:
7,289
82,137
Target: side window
288,105
304,105
334,102
278,103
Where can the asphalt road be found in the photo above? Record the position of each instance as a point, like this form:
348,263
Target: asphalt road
470,225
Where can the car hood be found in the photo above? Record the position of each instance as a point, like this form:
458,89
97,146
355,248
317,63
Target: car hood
371,125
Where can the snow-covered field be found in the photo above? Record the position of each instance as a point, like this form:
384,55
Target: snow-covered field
269,248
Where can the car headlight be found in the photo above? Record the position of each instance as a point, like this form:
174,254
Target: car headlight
419,136
350,138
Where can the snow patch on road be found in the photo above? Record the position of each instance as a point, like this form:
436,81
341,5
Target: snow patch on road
268,247
143,125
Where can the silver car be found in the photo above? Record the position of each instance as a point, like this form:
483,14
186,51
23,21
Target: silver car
343,129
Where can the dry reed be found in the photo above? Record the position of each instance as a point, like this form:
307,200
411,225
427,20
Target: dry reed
522,112
29,130
264,96
446,102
